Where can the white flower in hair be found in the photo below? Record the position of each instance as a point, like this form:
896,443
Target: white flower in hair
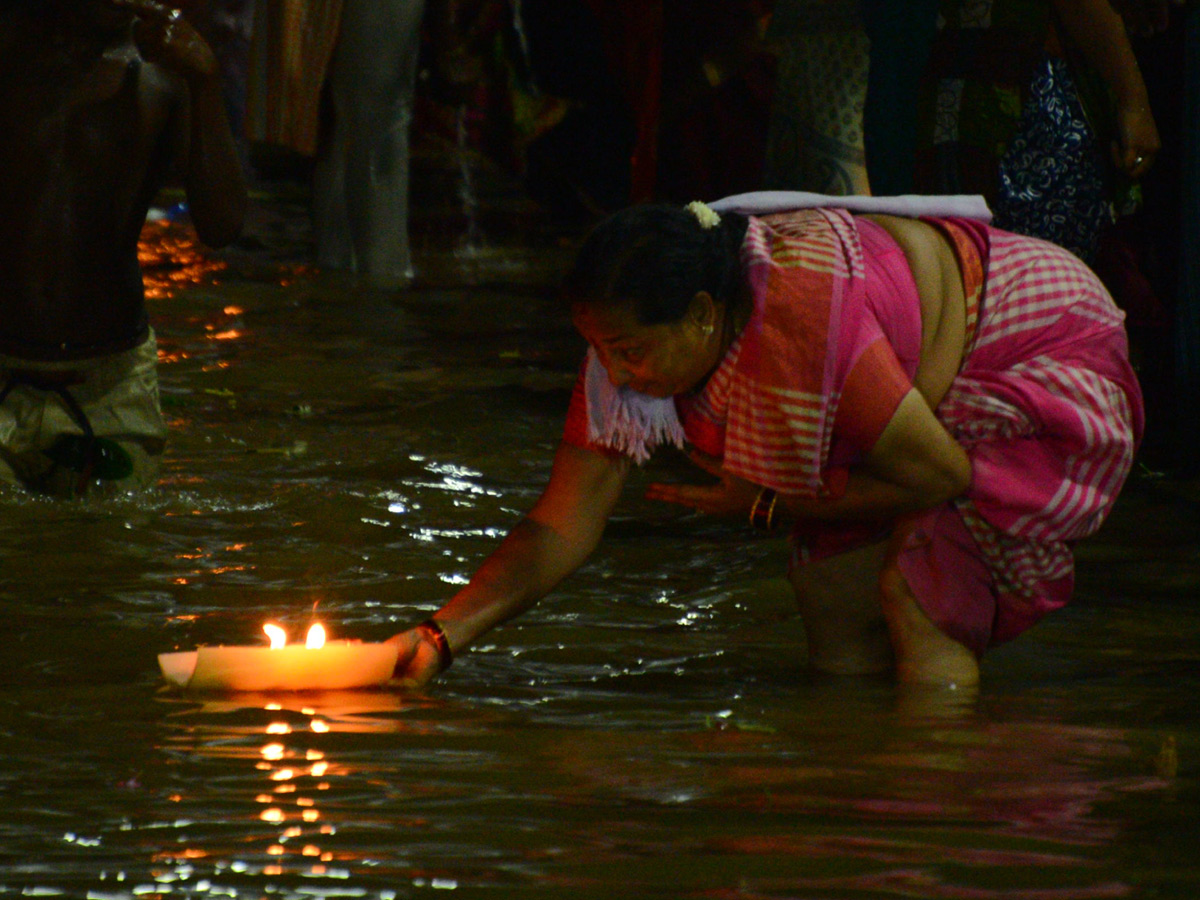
704,214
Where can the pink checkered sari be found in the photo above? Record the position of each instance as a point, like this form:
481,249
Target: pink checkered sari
769,409
1050,412
1045,403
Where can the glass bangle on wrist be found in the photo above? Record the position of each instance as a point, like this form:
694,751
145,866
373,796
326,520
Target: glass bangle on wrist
762,510
436,635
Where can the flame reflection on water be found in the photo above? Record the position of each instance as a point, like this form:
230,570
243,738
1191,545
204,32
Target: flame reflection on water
284,776
647,732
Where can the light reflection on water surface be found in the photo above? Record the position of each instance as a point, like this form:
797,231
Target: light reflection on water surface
647,732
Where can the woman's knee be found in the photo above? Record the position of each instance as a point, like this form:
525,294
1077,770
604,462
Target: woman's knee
839,587
838,602
924,653
894,593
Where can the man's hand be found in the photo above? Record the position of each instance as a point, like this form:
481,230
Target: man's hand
166,38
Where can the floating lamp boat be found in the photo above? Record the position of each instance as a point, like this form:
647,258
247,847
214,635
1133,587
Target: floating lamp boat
316,665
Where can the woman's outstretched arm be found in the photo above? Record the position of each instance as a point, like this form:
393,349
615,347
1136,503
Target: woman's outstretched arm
554,539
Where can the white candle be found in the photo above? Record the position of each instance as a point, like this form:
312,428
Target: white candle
317,665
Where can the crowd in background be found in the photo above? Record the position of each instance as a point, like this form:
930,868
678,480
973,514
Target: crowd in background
596,104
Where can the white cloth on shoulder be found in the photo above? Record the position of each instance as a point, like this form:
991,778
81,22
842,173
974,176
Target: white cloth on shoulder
762,203
633,423
624,420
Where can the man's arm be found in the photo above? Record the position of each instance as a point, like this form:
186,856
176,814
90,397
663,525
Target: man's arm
205,152
212,172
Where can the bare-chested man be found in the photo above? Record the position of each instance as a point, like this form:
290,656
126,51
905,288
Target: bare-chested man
100,102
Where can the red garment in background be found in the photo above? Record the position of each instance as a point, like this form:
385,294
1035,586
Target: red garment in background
656,49
633,37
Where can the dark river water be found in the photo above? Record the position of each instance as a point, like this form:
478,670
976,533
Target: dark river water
648,731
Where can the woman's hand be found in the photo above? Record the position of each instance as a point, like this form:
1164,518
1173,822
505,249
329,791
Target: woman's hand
1137,141
417,662
1098,31
1146,18
730,496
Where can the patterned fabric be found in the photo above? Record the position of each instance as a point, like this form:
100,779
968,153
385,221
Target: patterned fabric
771,416
770,407
290,55
815,138
979,70
1045,403
1050,412
1003,117
604,417
874,380
1052,177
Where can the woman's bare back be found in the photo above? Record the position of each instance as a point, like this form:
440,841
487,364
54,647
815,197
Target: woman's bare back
939,283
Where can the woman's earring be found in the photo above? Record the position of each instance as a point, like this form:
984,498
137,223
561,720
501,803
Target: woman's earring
707,329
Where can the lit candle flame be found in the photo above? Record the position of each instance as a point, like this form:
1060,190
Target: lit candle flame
316,637
277,635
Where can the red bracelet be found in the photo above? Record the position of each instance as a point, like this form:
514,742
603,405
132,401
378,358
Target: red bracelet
432,629
762,511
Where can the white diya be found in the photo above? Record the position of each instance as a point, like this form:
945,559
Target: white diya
316,665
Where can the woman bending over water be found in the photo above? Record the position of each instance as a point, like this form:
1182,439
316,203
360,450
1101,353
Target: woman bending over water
935,407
